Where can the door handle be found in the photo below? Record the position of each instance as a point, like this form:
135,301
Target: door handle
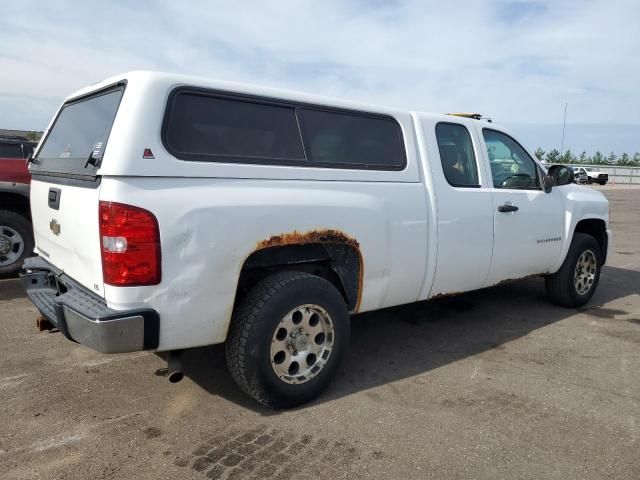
507,207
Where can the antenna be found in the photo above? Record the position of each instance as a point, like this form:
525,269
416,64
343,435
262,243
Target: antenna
564,126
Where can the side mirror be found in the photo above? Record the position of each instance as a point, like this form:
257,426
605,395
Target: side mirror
561,175
547,183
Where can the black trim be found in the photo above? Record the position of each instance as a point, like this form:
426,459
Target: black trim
306,162
68,179
120,85
536,164
475,159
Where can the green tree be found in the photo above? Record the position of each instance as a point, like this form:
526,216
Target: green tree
33,136
636,160
553,156
624,159
567,157
597,159
611,158
539,153
584,158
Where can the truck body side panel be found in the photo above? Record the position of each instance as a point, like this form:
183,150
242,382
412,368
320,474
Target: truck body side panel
210,226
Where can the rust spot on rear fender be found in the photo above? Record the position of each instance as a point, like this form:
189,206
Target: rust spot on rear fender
318,236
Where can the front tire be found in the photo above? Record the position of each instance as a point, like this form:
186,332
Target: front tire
287,338
576,281
16,242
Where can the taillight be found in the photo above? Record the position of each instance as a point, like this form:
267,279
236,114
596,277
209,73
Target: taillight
130,245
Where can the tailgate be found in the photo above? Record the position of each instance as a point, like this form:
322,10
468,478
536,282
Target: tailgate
65,187
68,236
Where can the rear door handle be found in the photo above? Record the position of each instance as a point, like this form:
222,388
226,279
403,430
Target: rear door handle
507,207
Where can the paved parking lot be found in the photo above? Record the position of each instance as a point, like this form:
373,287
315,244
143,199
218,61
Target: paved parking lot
491,384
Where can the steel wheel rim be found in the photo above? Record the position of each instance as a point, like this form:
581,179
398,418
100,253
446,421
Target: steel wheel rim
585,272
11,246
302,343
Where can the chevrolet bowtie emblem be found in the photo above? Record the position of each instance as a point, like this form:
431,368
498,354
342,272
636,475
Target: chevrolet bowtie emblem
55,227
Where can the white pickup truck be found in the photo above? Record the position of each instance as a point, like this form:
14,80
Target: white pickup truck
593,175
173,212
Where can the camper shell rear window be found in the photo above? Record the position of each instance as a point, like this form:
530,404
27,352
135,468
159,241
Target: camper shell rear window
77,139
211,126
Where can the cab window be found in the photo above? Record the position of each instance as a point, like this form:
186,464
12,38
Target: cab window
456,154
511,166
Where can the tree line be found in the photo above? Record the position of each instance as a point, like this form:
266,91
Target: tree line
554,156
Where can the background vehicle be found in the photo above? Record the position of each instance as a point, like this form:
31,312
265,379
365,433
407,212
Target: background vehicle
189,212
579,177
16,236
593,175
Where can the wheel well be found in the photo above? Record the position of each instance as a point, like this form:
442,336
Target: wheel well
339,263
15,202
598,230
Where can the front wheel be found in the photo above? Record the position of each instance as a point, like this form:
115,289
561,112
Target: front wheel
576,281
287,338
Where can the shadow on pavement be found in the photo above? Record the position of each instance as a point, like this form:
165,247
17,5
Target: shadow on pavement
401,342
10,289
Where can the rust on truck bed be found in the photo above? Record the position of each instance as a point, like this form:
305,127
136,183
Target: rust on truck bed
322,236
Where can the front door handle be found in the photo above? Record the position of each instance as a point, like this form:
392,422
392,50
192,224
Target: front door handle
507,207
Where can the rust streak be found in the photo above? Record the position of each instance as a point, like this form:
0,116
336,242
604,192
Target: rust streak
312,236
318,236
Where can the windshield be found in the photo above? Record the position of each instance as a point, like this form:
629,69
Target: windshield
78,137
588,169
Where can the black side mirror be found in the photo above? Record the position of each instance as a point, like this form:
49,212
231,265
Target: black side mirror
547,183
561,175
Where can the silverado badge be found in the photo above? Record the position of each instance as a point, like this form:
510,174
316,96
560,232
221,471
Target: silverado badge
54,226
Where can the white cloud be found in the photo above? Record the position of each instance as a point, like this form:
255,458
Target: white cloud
516,60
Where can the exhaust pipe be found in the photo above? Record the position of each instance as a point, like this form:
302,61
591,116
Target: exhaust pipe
174,366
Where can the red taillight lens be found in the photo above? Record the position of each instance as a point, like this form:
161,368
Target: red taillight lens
130,245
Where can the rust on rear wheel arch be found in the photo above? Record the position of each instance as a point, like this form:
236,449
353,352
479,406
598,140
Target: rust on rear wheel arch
323,236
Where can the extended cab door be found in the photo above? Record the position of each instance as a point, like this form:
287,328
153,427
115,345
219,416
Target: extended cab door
527,222
464,204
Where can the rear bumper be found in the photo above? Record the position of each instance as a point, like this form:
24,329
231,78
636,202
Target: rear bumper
84,317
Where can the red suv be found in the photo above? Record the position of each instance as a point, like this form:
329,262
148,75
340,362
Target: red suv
16,233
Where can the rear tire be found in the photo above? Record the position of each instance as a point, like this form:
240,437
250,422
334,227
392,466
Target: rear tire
287,338
16,242
576,281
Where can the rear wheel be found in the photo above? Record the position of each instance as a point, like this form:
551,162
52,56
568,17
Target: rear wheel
576,281
16,241
287,338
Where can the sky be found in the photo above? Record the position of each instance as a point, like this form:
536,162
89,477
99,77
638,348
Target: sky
516,61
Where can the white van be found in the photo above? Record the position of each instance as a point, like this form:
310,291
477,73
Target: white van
173,212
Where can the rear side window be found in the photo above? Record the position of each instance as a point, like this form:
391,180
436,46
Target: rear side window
11,150
231,130
209,126
456,154
352,140
76,141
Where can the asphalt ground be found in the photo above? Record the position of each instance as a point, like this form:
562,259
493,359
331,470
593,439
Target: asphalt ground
489,385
